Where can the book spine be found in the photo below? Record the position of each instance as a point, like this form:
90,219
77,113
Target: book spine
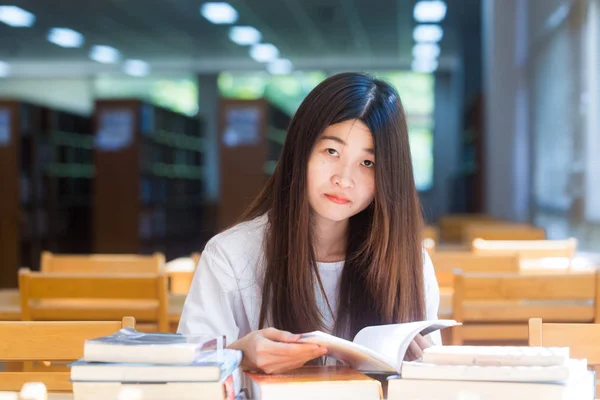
229,391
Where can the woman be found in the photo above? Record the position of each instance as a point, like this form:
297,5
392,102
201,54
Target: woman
332,243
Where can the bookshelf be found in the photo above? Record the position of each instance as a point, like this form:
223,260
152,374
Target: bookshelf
46,173
468,184
10,213
251,137
149,187
68,175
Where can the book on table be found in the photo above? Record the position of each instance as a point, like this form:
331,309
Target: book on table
131,346
314,382
579,387
210,365
226,388
493,372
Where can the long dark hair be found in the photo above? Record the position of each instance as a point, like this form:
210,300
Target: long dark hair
382,279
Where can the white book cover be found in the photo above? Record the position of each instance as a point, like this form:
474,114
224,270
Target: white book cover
131,346
580,387
494,373
227,388
211,365
496,355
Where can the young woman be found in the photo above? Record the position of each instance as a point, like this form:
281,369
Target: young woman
332,243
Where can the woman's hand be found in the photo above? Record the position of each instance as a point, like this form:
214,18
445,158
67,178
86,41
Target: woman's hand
273,351
416,347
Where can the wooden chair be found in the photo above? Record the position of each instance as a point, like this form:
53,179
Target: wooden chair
431,232
95,297
181,272
101,263
446,262
429,245
527,249
583,340
502,231
497,307
196,257
48,341
451,226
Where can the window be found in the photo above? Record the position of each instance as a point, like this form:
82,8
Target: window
287,91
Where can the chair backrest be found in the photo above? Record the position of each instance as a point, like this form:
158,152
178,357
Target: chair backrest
429,245
431,232
196,257
445,262
94,297
517,298
527,249
48,341
583,340
451,226
502,231
181,272
101,263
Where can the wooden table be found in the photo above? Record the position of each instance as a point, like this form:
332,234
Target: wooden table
51,396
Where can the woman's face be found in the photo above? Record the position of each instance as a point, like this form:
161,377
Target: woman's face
341,171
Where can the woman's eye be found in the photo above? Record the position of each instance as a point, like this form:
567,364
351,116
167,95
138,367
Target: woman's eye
332,152
368,163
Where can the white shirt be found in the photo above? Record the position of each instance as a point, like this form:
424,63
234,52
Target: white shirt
226,292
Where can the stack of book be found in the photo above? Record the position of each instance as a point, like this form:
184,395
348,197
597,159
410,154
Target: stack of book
452,372
134,365
366,362
314,382
493,373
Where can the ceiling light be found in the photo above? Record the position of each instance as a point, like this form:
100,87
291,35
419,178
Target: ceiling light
264,52
282,66
65,37
104,54
424,66
558,16
16,16
428,33
429,11
426,50
4,69
219,13
244,35
136,68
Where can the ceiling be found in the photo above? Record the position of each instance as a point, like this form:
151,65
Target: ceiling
172,35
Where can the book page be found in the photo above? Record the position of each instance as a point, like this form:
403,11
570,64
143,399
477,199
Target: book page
355,355
497,355
393,340
376,348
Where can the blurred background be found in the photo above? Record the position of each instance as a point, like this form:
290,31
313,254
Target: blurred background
147,126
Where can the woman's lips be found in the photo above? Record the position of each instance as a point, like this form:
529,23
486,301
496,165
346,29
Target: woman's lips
337,199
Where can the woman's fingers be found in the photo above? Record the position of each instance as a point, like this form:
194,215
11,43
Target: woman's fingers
277,364
293,349
275,356
414,351
416,347
273,350
423,341
277,335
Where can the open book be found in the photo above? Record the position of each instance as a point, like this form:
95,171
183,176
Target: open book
376,348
